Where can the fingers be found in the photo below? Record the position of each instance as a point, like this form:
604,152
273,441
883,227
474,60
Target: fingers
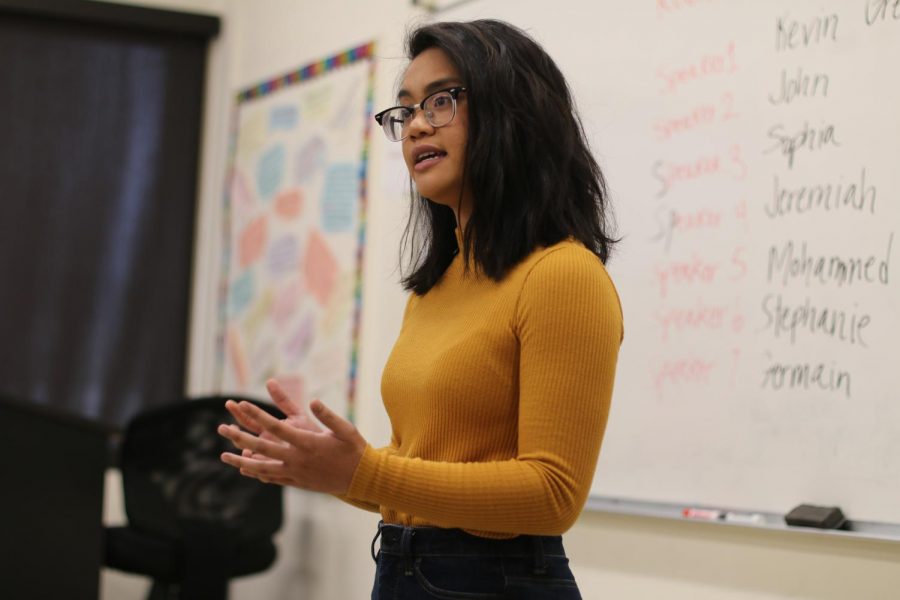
275,427
242,417
295,412
282,400
254,444
276,479
306,422
341,427
251,467
251,454
284,454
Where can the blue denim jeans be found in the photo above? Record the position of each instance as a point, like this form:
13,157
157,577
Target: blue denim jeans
428,562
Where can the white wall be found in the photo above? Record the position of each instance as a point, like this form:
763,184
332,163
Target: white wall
324,546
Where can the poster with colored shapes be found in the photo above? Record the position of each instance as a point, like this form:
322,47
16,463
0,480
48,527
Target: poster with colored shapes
294,232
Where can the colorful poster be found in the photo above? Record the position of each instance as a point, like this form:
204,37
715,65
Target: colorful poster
294,232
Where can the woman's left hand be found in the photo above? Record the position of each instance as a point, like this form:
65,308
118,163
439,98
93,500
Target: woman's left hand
318,461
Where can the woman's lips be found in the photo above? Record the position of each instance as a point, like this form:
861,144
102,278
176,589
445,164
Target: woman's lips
428,163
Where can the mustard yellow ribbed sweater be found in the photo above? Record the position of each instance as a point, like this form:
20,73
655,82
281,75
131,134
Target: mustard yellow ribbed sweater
498,395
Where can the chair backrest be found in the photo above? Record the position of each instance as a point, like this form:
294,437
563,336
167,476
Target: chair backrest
174,481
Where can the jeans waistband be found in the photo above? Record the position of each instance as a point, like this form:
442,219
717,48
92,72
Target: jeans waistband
411,542
434,540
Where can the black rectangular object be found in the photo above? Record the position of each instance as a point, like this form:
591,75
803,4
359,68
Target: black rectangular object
821,517
53,468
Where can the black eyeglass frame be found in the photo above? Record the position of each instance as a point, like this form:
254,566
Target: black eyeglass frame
454,94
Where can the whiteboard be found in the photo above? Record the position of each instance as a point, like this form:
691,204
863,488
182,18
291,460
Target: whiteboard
752,151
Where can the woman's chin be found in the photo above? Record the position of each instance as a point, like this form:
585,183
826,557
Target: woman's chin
439,192
433,193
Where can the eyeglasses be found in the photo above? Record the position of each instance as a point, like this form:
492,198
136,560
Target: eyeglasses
439,109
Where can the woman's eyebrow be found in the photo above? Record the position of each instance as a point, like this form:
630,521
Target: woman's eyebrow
431,87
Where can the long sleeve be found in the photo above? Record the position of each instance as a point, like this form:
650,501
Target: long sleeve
558,338
370,506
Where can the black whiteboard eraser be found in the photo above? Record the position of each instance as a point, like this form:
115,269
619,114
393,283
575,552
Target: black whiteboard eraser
821,517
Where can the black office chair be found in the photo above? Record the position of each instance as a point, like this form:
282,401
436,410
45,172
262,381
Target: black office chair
193,522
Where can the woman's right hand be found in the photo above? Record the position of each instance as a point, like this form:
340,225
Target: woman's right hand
296,451
295,415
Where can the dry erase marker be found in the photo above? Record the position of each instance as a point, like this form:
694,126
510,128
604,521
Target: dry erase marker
744,518
703,514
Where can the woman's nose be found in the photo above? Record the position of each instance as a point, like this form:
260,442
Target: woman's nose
419,125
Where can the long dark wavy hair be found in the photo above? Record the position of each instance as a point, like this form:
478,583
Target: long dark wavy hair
533,178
